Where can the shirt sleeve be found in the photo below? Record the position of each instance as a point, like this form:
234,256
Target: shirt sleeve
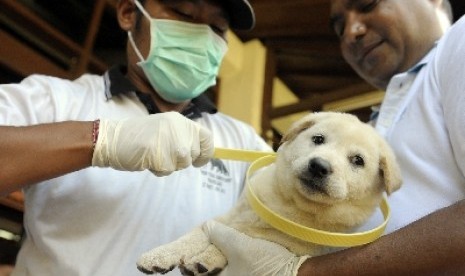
450,68
28,102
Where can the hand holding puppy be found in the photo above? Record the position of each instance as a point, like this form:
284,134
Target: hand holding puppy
162,143
251,256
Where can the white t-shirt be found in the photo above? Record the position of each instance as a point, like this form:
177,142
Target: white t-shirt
98,221
423,119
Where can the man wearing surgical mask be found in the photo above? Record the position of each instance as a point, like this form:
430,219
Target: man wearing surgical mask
114,165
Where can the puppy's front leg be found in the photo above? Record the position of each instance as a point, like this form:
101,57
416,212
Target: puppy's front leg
209,262
193,253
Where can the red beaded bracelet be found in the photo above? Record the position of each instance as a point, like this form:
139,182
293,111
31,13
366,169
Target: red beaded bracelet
95,129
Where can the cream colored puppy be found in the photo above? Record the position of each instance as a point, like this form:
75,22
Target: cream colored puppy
330,174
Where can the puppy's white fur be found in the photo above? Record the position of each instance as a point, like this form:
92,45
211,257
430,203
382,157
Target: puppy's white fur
330,174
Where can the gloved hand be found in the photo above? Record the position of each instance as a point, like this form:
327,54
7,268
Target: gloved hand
250,256
162,143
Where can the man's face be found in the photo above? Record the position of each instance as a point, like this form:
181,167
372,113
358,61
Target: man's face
380,38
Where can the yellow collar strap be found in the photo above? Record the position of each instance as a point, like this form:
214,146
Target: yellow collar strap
262,159
240,155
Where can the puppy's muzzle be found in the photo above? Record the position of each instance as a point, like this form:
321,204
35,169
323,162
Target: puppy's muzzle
316,174
319,168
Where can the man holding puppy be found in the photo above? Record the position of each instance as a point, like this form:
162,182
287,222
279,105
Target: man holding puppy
410,50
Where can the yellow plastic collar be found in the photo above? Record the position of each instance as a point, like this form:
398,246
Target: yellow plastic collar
262,159
240,155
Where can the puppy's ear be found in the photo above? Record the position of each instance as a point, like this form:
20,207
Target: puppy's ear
389,169
297,127
294,131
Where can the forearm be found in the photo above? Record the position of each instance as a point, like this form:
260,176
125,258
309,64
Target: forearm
433,245
35,153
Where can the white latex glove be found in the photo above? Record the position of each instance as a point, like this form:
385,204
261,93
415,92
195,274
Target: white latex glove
162,143
250,256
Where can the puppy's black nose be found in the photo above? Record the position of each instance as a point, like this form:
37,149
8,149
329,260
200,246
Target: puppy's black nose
319,167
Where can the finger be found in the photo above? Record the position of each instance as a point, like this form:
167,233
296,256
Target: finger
206,147
221,235
161,173
164,163
183,158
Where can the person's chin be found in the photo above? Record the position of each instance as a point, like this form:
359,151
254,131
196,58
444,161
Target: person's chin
375,74
378,77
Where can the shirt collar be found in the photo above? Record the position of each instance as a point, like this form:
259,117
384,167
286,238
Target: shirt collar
116,83
415,69
429,56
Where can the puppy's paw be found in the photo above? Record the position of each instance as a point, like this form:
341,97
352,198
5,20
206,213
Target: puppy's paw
157,260
191,252
209,262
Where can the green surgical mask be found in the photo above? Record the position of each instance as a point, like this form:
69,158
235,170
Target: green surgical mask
184,58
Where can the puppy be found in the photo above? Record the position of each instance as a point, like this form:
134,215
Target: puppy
330,173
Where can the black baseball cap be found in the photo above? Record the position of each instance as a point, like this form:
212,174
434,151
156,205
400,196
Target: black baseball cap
241,13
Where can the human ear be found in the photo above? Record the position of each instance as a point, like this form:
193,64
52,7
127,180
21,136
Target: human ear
126,14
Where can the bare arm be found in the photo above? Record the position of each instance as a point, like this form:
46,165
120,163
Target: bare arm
35,153
433,245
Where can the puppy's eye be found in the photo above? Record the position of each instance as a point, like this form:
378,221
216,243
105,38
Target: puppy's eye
357,160
318,139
